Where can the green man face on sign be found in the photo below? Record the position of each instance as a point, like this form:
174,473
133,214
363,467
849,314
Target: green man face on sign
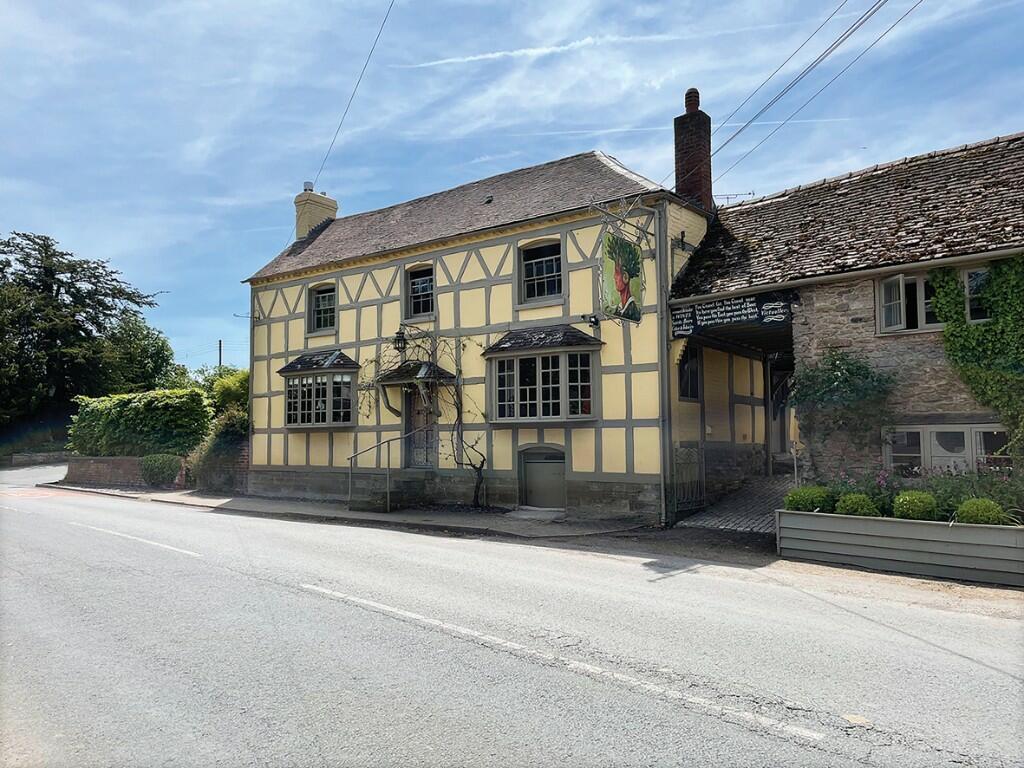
622,259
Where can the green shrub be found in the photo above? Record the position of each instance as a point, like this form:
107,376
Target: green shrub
159,421
982,512
160,469
212,464
915,505
810,498
231,391
857,504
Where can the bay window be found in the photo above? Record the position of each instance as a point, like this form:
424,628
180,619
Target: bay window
548,386
319,399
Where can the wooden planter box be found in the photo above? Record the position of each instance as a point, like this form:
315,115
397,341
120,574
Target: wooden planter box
993,554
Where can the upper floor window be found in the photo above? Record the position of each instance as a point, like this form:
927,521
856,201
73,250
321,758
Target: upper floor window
546,386
320,399
540,272
322,312
975,281
906,302
689,373
420,298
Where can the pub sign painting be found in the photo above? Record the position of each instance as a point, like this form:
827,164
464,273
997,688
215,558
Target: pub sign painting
623,284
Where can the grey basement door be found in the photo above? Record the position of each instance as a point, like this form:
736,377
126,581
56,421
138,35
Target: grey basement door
544,478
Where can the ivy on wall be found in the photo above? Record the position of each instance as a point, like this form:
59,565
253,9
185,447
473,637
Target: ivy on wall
988,355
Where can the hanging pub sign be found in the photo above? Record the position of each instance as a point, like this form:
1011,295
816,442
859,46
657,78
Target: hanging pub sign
765,309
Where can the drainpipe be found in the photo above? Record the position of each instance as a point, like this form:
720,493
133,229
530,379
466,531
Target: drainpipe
664,341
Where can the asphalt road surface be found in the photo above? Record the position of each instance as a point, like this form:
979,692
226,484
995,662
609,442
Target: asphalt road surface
145,634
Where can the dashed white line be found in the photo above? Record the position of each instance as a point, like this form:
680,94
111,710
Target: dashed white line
590,670
136,538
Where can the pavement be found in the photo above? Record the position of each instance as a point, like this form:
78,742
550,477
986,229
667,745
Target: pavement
749,509
140,633
527,524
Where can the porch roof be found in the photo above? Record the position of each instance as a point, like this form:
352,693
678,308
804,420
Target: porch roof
412,371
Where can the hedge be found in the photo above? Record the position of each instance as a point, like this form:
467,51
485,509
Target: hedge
170,421
160,469
212,463
857,504
915,505
810,498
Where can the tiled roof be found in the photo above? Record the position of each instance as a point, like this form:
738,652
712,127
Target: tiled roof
955,202
539,190
547,337
331,359
416,370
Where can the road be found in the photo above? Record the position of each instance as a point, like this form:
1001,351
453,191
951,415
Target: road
140,634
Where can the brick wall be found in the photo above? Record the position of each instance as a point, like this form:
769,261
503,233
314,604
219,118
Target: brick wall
105,471
842,316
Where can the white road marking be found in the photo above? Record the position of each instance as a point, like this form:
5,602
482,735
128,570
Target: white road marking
590,670
136,538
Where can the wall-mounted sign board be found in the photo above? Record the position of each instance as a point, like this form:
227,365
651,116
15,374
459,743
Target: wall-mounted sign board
764,309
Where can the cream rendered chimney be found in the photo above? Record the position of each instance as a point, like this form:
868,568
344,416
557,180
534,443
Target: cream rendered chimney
312,208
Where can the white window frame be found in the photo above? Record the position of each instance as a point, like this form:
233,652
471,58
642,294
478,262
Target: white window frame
521,302
919,279
406,292
971,436
563,384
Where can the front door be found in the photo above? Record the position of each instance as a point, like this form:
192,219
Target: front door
543,472
421,428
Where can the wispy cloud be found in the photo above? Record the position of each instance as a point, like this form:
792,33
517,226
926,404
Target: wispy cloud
585,42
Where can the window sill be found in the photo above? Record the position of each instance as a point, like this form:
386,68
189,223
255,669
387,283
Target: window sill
324,332
541,423
912,331
318,427
545,302
429,318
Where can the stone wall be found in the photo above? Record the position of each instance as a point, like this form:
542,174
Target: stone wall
842,316
637,503
105,471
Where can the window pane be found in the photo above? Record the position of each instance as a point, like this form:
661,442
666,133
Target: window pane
542,271
341,399
977,279
689,374
579,383
421,292
949,450
323,301
506,389
527,387
550,386
990,448
892,303
910,303
930,318
906,452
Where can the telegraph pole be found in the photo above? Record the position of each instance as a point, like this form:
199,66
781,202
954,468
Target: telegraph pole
220,353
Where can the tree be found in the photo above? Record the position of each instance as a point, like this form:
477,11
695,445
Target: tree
138,357
55,312
231,391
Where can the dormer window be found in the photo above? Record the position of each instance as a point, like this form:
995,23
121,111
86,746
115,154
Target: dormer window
322,313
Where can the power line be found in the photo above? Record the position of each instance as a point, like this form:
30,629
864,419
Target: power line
829,50
776,71
816,93
348,105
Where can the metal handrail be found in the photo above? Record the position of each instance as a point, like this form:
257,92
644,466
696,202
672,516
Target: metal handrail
387,466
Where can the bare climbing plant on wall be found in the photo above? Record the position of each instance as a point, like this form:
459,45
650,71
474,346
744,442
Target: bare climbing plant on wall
444,396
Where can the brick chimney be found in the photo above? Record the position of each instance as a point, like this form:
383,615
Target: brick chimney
312,208
693,153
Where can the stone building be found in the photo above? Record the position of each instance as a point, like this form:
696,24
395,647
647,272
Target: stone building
846,260
573,335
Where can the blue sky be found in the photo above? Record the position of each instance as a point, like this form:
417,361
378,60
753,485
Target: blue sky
171,137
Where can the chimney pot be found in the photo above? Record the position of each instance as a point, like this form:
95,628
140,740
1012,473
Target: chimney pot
692,100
